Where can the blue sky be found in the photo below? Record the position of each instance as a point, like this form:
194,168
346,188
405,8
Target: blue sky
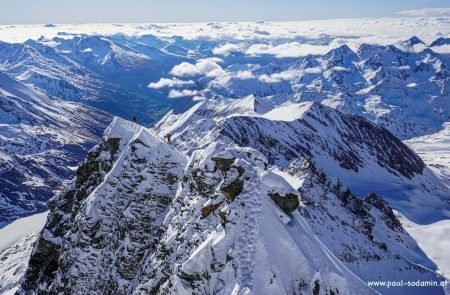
82,11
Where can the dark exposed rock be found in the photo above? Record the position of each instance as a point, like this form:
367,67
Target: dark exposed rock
203,184
223,164
390,219
207,210
287,203
316,288
233,189
44,260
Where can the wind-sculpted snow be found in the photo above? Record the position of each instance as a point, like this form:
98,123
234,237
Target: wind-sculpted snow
41,138
140,218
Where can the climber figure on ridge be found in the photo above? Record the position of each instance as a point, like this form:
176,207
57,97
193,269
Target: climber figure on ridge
168,137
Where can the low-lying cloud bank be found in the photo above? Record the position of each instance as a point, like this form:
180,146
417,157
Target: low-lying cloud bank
426,12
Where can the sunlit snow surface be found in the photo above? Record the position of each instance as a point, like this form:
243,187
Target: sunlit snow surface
432,238
16,243
434,149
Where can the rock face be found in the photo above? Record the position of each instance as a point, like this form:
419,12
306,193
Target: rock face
141,218
110,214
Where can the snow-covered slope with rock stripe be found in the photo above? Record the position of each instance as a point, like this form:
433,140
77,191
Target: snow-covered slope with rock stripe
41,138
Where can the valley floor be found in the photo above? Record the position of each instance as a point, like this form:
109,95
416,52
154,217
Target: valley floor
433,239
434,150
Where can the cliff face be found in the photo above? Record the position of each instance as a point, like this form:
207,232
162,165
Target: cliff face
115,203
141,218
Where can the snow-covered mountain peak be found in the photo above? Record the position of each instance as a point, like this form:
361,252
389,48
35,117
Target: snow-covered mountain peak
288,111
414,40
121,129
365,156
342,57
440,41
137,221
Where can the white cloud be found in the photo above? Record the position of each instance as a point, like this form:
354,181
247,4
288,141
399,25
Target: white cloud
426,12
292,49
443,49
268,79
244,75
207,67
185,69
170,83
185,92
340,69
281,76
402,68
315,70
227,49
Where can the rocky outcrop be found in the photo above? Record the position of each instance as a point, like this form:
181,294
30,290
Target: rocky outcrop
287,203
109,215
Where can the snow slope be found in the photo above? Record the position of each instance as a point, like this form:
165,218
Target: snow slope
434,149
15,249
432,239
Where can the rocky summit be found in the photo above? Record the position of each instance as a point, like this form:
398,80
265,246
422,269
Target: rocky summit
141,217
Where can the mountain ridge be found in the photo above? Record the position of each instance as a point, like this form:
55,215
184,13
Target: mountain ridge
227,191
